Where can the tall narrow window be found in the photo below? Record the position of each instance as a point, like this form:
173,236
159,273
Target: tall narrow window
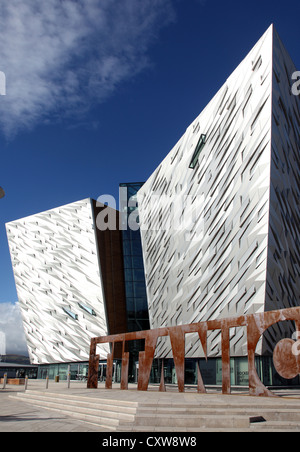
87,309
199,147
71,314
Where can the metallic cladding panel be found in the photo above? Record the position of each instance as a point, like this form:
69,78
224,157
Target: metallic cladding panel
283,289
283,269
206,234
56,269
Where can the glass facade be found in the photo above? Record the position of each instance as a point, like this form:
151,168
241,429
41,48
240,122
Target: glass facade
78,371
135,285
211,371
18,371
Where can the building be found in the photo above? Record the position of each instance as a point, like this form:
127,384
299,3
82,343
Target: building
219,225
69,275
220,215
17,370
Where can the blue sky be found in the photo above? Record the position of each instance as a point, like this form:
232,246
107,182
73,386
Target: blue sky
99,91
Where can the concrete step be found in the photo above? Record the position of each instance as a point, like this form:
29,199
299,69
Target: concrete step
85,403
78,398
267,413
277,425
206,429
259,403
97,412
125,416
218,417
102,422
192,421
110,416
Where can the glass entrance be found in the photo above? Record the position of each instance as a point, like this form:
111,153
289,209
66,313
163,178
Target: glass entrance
102,372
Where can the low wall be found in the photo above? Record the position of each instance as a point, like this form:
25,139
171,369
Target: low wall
13,381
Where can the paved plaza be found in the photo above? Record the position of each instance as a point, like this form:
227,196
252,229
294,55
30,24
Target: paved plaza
17,415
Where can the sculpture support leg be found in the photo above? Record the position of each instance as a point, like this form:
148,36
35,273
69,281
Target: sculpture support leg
177,339
125,366
225,360
146,360
200,385
109,371
256,387
93,367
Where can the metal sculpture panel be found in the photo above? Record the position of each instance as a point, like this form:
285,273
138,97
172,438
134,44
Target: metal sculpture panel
286,356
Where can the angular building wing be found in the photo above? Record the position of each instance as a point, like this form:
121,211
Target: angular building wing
283,270
220,215
65,273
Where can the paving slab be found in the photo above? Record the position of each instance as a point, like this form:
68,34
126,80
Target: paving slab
19,416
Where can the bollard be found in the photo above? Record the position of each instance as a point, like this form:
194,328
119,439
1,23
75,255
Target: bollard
26,382
4,381
47,382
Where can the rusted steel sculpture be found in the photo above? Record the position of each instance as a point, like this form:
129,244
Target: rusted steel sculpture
286,356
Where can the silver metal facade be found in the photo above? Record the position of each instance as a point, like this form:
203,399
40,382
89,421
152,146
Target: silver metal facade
55,262
222,239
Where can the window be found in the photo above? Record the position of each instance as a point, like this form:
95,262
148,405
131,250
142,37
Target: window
87,309
71,314
256,65
199,147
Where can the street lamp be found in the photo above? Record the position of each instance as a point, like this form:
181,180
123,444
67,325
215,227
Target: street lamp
2,193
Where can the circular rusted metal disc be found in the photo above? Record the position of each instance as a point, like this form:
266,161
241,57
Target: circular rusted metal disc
286,358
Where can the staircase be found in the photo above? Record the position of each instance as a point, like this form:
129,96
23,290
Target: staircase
218,417
107,414
204,414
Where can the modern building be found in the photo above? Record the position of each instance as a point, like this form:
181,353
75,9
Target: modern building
79,274
220,215
69,275
213,233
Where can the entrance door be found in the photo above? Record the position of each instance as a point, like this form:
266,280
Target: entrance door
102,372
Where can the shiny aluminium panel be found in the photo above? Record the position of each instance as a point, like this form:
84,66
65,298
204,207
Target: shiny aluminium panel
220,215
56,267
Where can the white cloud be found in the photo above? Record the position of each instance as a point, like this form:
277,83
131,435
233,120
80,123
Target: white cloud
59,56
12,326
